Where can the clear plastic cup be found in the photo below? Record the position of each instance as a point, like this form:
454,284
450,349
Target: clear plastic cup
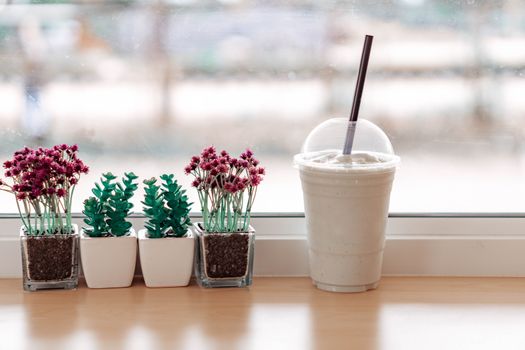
346,200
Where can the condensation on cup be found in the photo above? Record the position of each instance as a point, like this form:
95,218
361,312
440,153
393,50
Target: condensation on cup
346,199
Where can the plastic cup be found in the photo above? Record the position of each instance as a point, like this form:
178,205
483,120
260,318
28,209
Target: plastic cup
346,200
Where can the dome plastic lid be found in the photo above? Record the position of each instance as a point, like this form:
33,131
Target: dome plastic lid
323,148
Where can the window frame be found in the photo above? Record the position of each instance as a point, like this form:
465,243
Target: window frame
430,244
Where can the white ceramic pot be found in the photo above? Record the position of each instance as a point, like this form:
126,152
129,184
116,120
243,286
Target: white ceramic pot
108,262
166,262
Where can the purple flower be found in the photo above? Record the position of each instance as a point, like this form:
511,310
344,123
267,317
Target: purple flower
255,180
208,154
37,172
229,187
241,186
77,166
219,175
222,168
206,166
69,171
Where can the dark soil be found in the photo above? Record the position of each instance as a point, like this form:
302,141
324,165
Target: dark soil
50,258
226,255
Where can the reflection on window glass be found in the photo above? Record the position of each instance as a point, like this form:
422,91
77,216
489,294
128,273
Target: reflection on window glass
143,85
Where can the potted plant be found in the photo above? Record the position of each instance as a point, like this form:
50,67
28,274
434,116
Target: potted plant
43,182
166,245
108,246
227,188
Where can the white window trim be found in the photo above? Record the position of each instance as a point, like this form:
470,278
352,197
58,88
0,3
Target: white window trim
416,244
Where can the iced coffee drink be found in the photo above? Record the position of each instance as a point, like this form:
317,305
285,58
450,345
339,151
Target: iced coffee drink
346,199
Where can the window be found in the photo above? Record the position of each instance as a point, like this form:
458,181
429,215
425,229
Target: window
144,85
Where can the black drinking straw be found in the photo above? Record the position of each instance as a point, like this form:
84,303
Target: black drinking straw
349,140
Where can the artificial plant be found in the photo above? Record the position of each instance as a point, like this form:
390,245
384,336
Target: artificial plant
227,188
44,181
166,208
107,211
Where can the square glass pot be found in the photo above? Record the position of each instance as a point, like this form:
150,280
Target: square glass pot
50,261
223,259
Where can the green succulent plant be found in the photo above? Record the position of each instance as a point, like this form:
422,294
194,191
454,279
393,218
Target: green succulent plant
166,208
107,211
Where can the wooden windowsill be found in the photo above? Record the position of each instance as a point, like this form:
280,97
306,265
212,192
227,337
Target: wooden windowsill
275,313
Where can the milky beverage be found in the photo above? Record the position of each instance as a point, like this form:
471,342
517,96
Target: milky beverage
346,199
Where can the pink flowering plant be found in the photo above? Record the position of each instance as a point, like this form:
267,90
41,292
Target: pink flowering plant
227,187
43,181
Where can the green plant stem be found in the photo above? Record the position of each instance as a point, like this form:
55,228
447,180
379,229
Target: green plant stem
51,213
205,213
22,217
230,218
58,215
221,214
241,206
48,216
68,208
28,216
44,216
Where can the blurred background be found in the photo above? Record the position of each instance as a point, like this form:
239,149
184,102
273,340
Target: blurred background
143,85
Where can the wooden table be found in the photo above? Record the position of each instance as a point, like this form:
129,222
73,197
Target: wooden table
275,313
